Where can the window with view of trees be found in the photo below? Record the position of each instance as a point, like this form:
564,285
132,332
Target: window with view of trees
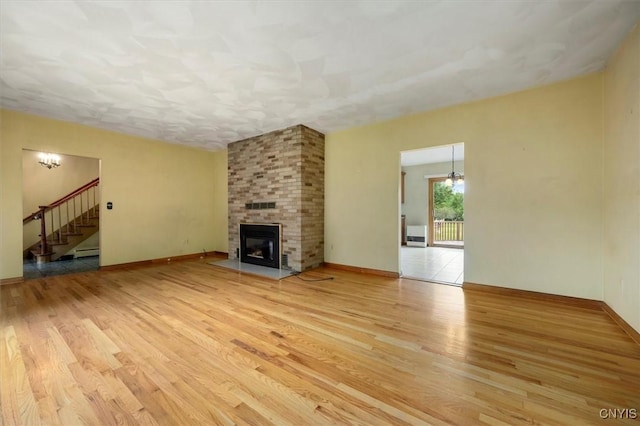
448,203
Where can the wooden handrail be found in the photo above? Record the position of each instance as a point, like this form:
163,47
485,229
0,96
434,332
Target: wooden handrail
58,202
70,224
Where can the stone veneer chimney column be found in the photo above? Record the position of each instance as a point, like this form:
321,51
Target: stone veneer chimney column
285,167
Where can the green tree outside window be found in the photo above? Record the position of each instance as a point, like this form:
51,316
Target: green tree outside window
448,204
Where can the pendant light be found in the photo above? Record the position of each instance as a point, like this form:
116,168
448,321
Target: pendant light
453,177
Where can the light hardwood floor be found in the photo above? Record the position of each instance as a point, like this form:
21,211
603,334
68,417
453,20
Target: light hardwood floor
190,343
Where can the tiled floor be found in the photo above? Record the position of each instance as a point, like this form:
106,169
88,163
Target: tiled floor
433,264
32,270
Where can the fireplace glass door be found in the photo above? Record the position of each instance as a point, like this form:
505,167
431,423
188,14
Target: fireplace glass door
260,244
260,248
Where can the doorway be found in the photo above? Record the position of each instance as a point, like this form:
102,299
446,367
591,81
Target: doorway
61,199
434,248
446,213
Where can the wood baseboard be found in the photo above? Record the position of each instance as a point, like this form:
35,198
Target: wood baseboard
9,281
622,323
566,300
504,291
361,270
169,259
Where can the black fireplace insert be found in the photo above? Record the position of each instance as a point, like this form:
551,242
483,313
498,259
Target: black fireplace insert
260,244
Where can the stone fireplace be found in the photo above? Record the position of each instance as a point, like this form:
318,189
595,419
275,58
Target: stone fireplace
278,178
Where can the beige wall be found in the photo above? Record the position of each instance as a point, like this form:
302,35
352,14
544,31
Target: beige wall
622,181
42,186
533,188
165,196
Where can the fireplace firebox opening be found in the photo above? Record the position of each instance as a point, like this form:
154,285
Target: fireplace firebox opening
260,244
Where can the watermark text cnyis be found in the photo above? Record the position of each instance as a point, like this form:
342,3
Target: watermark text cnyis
619,413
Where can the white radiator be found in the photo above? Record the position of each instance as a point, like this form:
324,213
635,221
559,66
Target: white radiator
86,252
417,236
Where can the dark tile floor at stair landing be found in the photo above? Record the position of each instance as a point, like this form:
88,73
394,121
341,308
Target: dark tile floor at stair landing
32,270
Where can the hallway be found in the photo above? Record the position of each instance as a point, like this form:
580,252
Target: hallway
33,270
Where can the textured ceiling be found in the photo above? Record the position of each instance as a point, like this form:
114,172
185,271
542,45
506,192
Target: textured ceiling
208,73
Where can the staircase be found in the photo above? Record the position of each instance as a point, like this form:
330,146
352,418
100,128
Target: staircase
65,223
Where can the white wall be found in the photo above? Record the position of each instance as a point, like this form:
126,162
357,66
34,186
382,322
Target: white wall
416,189
91,242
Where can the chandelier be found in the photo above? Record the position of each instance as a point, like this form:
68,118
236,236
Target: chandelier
49,161
453,177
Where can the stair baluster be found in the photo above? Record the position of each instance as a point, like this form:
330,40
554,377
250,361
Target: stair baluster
59,225
75,215
88,208
81,211
44,248
52,224
70,223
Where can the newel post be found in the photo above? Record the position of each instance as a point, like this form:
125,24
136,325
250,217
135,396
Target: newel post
44,249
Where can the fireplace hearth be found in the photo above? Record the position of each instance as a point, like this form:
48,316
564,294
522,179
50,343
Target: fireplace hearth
260,244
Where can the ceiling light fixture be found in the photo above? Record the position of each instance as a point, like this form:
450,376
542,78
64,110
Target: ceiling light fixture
49,161
453,177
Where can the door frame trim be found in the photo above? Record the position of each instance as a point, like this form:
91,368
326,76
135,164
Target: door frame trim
432,181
